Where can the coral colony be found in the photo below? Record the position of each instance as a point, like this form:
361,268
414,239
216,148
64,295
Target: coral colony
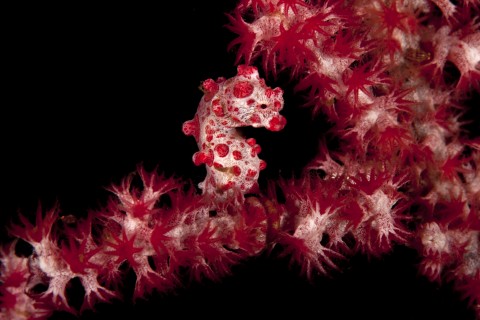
396,166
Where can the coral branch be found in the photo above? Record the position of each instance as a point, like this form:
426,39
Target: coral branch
389,83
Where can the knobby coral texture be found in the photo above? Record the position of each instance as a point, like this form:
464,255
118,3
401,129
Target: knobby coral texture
367,113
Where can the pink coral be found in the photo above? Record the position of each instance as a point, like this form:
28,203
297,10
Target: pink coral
393,165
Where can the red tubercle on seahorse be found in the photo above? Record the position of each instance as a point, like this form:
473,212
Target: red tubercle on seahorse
232,161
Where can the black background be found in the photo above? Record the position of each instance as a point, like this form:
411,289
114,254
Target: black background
92,91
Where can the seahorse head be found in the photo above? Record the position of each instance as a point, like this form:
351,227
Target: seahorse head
246,100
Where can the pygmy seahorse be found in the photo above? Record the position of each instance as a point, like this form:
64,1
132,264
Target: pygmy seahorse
231,160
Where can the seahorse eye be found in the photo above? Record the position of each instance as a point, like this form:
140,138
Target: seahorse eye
263,106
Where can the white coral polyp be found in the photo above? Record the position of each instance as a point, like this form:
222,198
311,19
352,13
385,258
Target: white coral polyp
433,239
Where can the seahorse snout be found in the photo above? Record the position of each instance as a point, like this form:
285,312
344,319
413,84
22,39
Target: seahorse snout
277,123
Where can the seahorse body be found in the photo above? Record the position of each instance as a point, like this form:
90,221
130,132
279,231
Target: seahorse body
231,160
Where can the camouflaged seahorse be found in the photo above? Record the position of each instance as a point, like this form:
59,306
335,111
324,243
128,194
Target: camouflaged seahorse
231,160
